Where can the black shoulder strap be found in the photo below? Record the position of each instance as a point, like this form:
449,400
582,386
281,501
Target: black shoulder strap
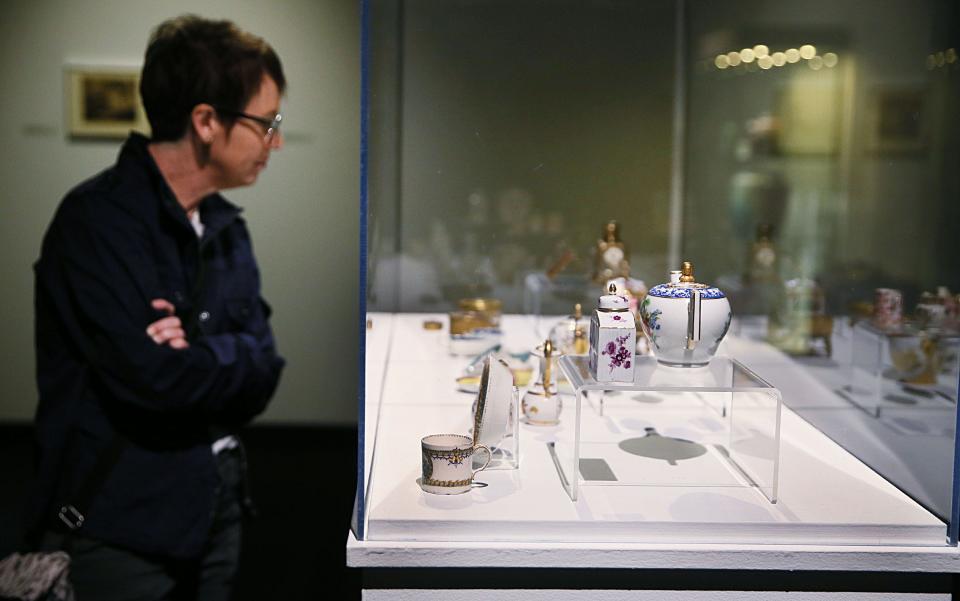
72,514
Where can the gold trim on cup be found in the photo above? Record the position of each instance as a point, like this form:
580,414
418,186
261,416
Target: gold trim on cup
447,483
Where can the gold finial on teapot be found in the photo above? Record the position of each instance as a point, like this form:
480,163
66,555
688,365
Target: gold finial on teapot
686,273
577,311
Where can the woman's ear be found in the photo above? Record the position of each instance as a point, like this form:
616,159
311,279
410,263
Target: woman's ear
203,120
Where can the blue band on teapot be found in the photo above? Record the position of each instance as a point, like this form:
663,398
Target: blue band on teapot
680,291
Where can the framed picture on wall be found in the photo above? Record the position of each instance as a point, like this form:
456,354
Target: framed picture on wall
809,107
104,102
897,121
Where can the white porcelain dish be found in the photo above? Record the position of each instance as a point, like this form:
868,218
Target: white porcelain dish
492,414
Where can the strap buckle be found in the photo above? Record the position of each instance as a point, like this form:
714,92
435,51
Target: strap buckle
71,516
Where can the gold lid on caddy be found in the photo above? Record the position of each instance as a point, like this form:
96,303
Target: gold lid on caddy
479,304
612,302
577,311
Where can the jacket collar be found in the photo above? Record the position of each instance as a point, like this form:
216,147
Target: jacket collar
216,212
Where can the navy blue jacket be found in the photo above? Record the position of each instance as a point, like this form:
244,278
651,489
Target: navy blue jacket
118,241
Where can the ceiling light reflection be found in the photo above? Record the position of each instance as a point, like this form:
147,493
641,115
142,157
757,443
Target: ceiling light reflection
779,59
760,50
830,60
816,63
733,58
722,62
793,55
765,62
808,51
746,55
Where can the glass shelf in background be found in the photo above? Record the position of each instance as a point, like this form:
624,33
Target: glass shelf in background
902,367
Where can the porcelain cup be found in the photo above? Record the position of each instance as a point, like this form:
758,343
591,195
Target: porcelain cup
448,463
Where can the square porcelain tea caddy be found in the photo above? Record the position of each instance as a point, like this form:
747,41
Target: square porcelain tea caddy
613,338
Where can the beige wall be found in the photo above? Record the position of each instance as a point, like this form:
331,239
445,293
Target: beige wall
303,213
524,127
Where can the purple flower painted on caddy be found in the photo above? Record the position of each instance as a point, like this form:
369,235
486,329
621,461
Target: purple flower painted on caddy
619,355
617,318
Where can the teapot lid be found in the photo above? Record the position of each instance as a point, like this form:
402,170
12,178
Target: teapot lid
682,283
613,301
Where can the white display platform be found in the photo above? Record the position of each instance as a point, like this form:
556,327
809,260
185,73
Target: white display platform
827,497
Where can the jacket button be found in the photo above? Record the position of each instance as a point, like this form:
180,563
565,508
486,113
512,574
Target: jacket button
204,315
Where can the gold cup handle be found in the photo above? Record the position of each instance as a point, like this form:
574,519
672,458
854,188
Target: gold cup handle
489,458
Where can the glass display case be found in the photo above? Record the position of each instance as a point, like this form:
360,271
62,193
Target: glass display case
518,157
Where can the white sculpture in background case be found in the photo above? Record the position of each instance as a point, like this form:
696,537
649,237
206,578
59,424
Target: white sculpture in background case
613,339
685,320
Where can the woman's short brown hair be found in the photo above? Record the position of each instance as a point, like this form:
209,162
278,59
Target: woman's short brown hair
191,60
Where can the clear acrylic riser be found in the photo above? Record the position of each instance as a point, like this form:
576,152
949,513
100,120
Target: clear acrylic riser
713,426
900,367
505,453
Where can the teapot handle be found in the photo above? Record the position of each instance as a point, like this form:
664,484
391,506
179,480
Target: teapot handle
694,314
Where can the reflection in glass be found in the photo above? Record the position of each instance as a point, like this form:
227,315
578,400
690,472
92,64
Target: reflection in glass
501,149
820,181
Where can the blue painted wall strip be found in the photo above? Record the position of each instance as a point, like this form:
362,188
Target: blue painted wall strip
954,525
361,367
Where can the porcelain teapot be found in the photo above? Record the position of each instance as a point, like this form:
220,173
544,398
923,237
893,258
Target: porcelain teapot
685,320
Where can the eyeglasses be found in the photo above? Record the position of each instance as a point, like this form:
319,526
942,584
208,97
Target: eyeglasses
271,125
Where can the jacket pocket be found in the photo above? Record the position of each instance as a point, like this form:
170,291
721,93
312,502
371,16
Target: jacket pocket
240,311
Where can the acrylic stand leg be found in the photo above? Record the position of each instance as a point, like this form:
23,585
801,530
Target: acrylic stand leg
596,404
575,474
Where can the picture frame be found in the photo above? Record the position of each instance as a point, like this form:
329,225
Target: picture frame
104,101
897,121
808,106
